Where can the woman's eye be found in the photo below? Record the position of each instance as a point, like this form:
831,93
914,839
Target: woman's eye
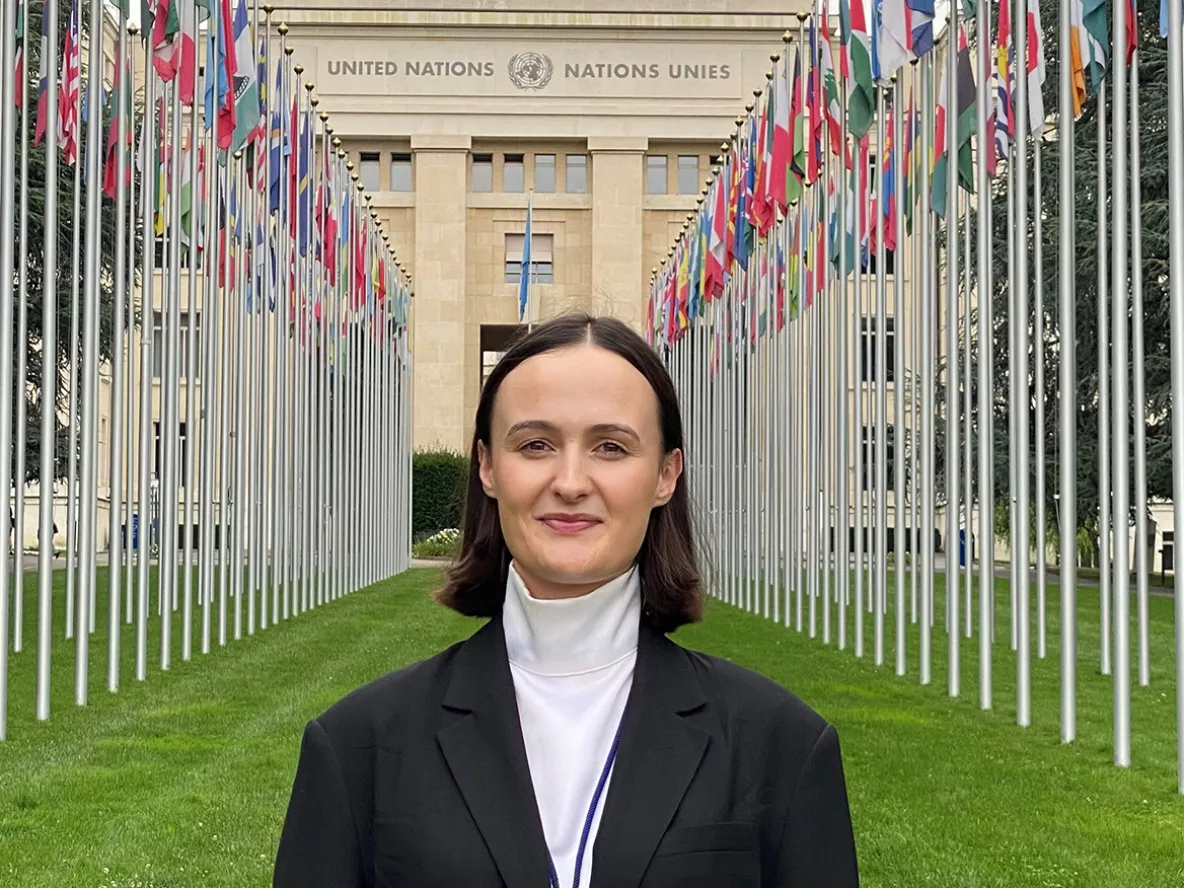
534,446
612,447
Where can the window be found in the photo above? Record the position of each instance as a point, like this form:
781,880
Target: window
577,174
482,173
870,340
868,451
544,173
368,170
401,172
158,341
182,453
655,174
162,253
514,173
889,255
542,269
688,174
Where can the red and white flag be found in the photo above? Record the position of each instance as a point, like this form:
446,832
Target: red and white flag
71,92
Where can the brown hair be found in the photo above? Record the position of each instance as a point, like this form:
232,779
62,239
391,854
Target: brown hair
671,589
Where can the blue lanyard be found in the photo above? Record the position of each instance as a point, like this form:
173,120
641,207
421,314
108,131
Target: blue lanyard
608,766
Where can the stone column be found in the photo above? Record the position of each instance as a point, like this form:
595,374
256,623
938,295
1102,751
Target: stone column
438,318
618,275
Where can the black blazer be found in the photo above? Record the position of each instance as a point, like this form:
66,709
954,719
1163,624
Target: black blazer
419,780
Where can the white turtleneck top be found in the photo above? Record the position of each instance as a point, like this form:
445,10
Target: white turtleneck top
572,662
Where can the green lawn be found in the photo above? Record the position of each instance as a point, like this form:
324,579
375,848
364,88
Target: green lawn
183,780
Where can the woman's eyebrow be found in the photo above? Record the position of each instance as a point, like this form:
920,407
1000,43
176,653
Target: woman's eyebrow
541,425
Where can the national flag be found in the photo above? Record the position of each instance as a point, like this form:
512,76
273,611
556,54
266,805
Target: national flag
912,155
122,98
715,238
219,99
192,214
281,142
1163,18
814,110
1035,68
782,139
861,107
245,80
889,183
965,125
797,122
894,36
19,67
763,212
1004,87
43,78
165,25
830,86
524,274
921,14
69,96
1089,49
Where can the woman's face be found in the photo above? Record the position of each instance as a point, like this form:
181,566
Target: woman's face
575,463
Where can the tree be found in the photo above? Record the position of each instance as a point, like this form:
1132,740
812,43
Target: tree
1152,63
38,274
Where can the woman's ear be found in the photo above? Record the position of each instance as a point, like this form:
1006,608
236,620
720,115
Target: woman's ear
485,469
668,477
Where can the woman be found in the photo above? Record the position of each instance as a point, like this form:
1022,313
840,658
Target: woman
569,742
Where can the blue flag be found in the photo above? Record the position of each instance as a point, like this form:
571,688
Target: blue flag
524,279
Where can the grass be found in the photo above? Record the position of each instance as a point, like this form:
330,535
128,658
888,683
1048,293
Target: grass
183,780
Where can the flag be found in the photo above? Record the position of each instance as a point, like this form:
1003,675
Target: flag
797,122
19,67
165,25
524,276
833,112
176,52
191,209
1035,68
814,111
219,95
920,14
889,183
1089,49
245,80
782,138
911,154
861,106
69,95
43,78
281,143
1163,18
716,252
1004,83
122,98
965,126
894,36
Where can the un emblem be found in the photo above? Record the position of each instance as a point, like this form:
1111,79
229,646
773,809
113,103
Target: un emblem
530,70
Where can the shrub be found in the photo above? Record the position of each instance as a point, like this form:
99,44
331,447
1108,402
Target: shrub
442,544
438,479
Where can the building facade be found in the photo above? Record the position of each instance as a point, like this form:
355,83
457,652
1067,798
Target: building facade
603,117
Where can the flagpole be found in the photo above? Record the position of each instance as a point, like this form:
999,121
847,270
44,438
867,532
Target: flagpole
1038,349
928,377
119,367
21,354
1121,404
880,331
1103,396
1067,335
1176,303
191,370
899,376
1142,550
7,200
986,499
49,379
210,210
845,402
72,490
127,73
952,265
915,289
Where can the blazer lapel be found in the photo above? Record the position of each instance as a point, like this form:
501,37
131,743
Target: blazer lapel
659,755
486,754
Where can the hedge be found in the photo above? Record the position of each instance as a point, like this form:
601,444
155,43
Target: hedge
438,479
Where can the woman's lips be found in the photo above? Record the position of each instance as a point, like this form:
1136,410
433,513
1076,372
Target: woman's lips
569,525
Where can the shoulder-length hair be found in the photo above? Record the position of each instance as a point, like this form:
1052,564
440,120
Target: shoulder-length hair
671,588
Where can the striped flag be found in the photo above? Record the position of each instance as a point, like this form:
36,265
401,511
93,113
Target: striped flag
1035,68
861,107
1089,48
245,81
1004,87
965,125
830,85
70,94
